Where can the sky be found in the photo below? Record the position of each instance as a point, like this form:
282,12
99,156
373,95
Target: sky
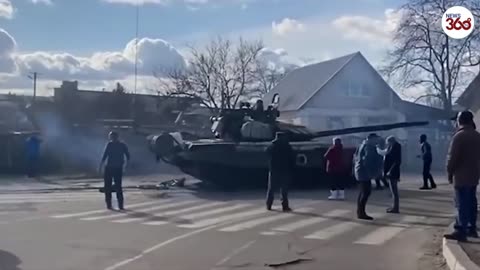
92,41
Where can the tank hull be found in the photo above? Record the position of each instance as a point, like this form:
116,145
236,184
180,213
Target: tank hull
242,165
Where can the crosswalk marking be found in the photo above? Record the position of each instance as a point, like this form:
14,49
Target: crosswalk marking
155,223
380,235
231,217
333,231
215,211
158,207
169,213
87,213
299,224
260,221
384,234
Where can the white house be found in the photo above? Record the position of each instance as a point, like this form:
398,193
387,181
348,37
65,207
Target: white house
339,93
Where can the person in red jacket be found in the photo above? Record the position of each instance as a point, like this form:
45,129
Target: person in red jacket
335,170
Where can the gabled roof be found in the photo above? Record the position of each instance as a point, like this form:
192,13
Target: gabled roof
301,84
471,96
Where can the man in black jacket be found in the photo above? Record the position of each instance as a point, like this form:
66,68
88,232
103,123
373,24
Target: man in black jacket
393,160
116,155
282,162
427,163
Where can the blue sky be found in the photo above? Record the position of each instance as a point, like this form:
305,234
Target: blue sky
307,29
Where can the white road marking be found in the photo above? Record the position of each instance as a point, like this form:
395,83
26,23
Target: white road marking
128,220
154,248
212,221
235,253
158,207
299,224
81,214
259,221
333,230
215,211
380,235
155,223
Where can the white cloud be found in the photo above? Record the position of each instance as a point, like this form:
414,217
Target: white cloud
287,26
46,2
6,9
153,55
368,29
137,2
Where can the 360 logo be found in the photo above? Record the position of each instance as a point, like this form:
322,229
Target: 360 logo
458,22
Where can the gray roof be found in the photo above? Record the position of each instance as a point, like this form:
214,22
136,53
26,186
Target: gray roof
301,84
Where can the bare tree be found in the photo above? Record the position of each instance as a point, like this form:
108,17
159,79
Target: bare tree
218,76
267,77
425,57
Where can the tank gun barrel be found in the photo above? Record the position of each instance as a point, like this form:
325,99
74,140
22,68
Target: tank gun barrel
364,129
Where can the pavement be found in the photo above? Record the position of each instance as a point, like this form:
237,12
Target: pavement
211,230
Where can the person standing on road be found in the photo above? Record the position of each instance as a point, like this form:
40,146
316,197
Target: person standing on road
335,170
366,168
381,179
427,158
463,168
116,155
391,171
33,155
282,162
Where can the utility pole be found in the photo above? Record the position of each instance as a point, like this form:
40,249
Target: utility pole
34,77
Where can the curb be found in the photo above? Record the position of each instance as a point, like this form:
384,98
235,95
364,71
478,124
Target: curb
456,257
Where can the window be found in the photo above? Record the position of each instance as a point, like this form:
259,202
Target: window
354,89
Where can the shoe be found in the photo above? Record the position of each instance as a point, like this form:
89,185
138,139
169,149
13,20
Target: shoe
341,195
434,186
424,188
269,207
109,207
455,236
333,195
365,217
472,233
393,211
287,209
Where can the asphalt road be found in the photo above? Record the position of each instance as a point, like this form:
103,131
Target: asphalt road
206,230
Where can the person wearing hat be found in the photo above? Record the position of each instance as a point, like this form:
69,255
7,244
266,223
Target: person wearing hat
116,156
463,168
281,166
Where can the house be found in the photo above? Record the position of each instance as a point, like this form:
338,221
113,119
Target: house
470,99
348,92
339,93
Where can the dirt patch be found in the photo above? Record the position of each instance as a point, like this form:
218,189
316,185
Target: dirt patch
432,257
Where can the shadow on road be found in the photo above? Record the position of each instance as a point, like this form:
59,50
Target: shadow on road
9,261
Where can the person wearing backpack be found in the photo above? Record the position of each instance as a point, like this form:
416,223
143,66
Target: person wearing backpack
368,164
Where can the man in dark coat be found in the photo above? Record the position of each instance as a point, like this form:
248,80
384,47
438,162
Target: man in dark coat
33,155
282,162
464,173
116,155
427,163
391,170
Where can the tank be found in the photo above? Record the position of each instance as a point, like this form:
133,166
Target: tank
236,157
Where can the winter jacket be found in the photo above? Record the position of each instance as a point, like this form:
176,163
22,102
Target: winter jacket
33,147
368,164
393,160
281,157
426,152
334,157
463,162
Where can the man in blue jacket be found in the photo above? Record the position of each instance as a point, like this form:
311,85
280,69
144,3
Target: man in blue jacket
33,155
368,165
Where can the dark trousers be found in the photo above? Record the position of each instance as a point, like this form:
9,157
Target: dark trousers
395,195
278,180
363,195
337,181
113,176
427,176
466,202
32,167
